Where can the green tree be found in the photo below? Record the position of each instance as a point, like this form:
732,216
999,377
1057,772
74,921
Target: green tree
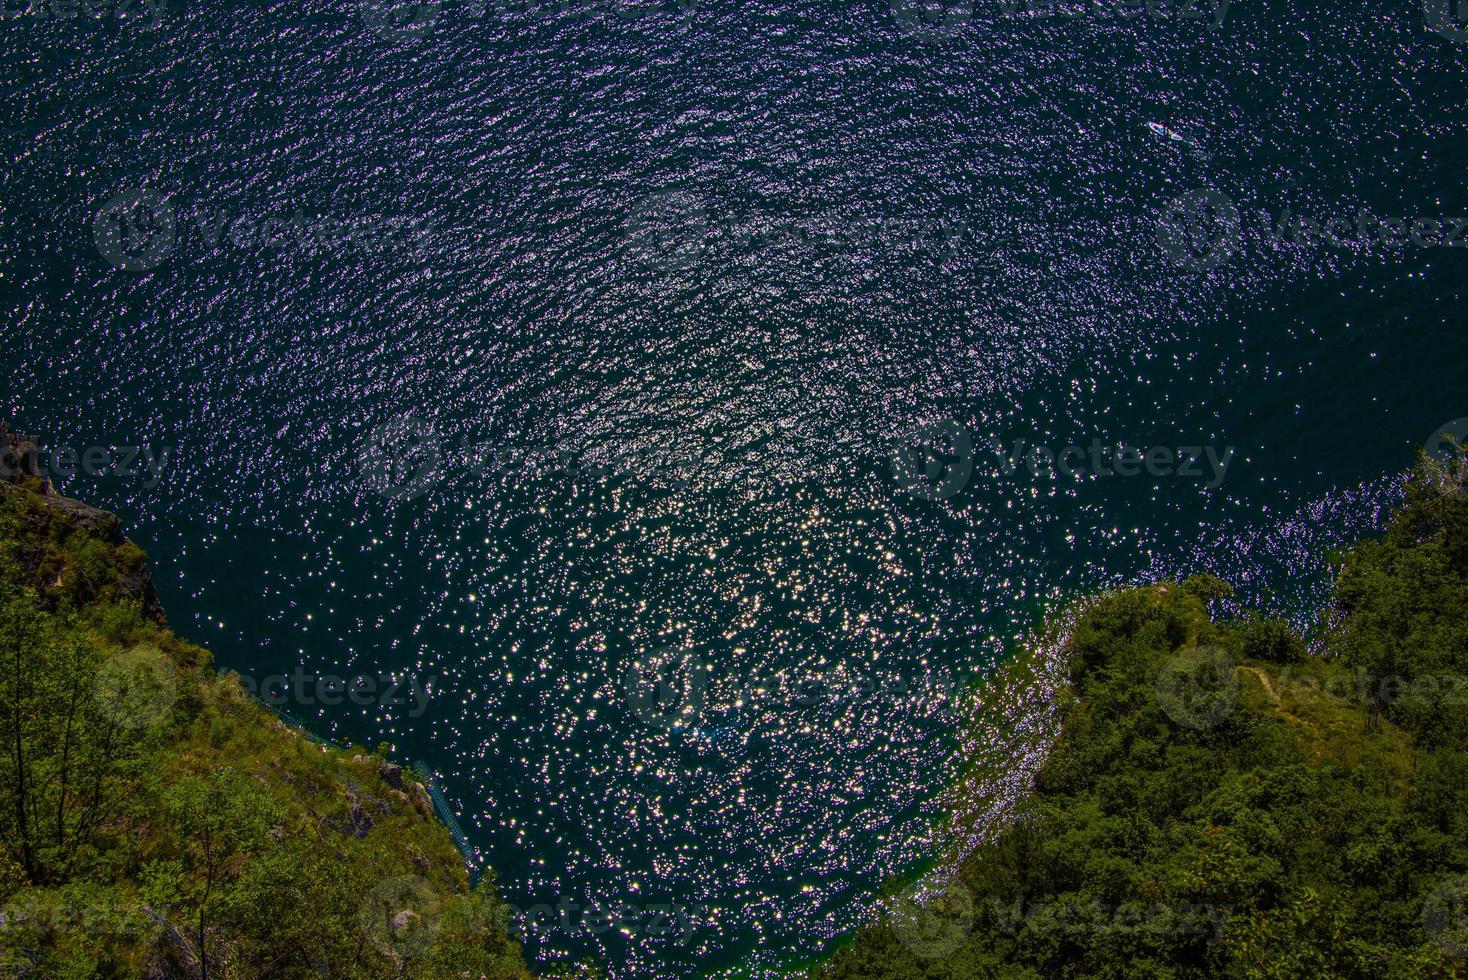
221,818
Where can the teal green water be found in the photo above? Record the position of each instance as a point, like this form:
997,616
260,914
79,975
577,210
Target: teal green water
740,249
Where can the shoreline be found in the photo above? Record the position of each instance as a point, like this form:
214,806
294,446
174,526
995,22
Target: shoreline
177,747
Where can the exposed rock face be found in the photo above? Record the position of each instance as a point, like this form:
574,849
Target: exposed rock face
18,463
17,454
391,774
425,802
358,821
99,523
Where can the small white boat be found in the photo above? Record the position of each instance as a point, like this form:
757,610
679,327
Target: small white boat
1161,130
1168,133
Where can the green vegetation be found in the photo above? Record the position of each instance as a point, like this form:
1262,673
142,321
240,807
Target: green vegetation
155,821
1223,803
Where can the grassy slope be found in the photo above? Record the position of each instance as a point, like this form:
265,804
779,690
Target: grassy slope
305,861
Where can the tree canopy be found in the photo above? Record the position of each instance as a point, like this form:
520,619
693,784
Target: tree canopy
156,821
1222,802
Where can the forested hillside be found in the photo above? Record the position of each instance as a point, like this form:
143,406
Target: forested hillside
157,822
1222,803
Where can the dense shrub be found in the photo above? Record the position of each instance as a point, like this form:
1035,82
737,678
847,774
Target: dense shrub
155,821
1219,803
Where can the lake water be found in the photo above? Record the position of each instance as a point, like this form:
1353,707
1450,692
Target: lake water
538,352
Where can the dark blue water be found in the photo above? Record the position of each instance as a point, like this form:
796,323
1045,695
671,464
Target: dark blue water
721,255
